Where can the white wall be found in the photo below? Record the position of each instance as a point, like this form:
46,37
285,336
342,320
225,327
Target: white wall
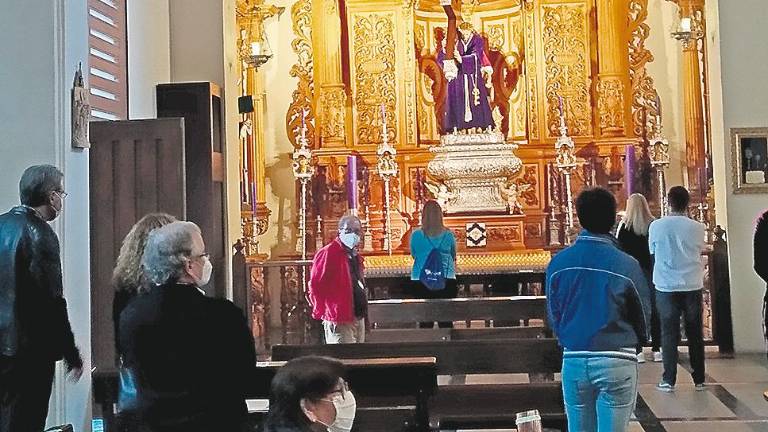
149,54
744,62
47,40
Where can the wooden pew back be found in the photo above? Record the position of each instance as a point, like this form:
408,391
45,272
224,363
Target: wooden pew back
516,308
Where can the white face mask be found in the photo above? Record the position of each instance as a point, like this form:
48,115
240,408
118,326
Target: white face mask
350,239
206,276
346,407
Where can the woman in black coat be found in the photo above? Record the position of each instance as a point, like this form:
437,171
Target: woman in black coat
633,239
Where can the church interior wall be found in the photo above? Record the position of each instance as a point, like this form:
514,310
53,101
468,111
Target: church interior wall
149,54
667,76
280,238
744,62
42,44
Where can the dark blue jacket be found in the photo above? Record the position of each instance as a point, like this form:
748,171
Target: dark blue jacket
598,299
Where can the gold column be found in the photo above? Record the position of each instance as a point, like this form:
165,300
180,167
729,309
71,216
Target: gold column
613,83
693,107
332,94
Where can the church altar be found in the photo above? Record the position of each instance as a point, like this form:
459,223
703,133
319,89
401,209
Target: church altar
472,103
533,261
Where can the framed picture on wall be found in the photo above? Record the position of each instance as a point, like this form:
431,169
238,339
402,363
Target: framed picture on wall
749,160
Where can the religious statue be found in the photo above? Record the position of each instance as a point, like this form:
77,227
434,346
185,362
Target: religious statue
81,111
441,193
512,193
468,75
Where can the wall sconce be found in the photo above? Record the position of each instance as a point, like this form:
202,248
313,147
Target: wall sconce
688,30
260,52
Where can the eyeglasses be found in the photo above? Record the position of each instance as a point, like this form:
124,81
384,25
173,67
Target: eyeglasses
62,194
204,254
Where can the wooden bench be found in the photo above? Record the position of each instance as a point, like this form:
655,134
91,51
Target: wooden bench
448,334
392,393
398,311
470,406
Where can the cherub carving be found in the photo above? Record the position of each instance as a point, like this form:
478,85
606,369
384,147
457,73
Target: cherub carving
512,194
441,193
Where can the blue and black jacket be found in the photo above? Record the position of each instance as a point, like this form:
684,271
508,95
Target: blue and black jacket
598,299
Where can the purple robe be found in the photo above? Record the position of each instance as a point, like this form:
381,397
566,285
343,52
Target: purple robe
460,109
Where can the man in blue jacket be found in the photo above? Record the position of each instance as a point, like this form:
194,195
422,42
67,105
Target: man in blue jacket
598,302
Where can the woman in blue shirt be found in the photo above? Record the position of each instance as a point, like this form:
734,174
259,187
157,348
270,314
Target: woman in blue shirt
433,235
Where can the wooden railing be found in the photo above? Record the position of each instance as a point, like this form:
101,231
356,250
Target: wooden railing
255,280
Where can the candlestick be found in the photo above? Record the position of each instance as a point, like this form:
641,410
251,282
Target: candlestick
658,105
253,199
303,125
352,183
629,169
560,106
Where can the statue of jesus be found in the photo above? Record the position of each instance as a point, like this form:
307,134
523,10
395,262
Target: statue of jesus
468,75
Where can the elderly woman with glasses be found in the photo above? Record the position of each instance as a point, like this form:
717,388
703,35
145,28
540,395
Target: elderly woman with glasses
309,394
191,356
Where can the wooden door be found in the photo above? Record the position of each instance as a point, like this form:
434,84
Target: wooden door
136,167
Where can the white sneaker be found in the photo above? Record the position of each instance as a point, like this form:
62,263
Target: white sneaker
640,357
657,357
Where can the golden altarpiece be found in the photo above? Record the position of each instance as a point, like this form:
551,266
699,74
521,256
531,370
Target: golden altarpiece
361,56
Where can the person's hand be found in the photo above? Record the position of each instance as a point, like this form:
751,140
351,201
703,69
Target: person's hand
456,55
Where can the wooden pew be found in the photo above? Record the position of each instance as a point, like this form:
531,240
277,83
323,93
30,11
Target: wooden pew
470,406
392,393
516,308
446,334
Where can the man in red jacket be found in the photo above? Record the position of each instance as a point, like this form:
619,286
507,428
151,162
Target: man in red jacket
337,286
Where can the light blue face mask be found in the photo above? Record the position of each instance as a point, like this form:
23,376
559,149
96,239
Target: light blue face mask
349,239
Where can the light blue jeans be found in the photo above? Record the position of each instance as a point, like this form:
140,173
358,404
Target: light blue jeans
599,393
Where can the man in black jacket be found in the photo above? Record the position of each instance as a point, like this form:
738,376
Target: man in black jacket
34,326
192,357
761,266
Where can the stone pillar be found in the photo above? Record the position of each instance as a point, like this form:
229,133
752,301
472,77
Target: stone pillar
613,88
331,114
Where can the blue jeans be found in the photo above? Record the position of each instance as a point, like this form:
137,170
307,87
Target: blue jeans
599,393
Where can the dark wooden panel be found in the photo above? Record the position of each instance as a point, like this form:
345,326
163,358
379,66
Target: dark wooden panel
459,309
444,334
453,357
136,167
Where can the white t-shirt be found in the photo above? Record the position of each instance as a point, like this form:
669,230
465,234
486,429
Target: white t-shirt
676,242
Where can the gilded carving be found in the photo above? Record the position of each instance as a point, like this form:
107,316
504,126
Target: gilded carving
333,106
644,95
375,76
259,313
527,182
531,72
567,67
610,105
496,36
506,234
303,96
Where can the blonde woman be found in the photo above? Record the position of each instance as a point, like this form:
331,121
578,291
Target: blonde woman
128,277
433,235
633,239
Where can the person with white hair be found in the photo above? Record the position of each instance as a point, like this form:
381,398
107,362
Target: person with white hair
337,290
190,356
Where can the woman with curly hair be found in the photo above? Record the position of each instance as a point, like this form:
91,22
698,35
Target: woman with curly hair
128,278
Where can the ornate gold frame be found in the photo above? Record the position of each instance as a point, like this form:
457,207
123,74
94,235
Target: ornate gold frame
739,186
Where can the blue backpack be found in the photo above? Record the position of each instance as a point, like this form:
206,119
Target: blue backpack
432,274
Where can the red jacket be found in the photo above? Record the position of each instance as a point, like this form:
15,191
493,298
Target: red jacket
330,284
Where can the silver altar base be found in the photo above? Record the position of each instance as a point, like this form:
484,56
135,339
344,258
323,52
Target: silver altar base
474,167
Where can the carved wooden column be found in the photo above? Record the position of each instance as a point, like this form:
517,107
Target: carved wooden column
693,107
332,93
613,84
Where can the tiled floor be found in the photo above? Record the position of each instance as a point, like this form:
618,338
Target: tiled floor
732,402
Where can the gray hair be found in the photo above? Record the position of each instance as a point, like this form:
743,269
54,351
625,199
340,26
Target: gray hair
37,183
167,251
348,220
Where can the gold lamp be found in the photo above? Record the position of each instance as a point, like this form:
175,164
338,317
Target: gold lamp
255,50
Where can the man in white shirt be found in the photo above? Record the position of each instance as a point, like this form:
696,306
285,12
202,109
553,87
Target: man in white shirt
676,242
